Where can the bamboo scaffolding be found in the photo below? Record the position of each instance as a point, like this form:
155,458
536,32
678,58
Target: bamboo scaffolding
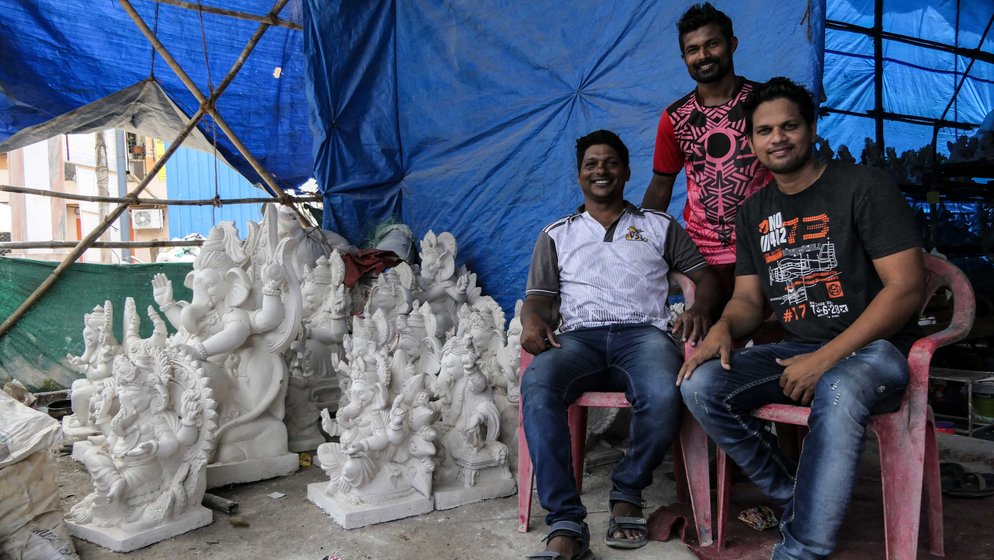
271,20
205,105
102,244
211,109
152,201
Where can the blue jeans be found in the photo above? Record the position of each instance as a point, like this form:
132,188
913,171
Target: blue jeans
870,381
640,360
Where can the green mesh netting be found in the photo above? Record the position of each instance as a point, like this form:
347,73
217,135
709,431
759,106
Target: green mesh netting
34,351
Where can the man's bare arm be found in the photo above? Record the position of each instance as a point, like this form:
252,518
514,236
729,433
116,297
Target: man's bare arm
659,192
539,318
742,315
693,324
903,277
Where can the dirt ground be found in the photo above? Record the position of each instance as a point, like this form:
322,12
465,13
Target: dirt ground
293,528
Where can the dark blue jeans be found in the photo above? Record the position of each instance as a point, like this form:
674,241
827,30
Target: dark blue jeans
870,381
640,360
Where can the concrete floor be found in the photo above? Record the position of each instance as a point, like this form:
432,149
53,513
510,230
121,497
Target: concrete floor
293,528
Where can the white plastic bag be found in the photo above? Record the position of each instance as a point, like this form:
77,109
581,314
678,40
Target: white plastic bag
31,522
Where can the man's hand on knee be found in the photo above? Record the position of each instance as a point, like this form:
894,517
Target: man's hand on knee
717,344
539,315
537,337
691,326
801,374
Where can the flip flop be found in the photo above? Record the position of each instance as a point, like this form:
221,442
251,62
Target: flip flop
973,485
950,474
571,529
637,524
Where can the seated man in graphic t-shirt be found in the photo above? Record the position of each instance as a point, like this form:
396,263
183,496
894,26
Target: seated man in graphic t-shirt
835,251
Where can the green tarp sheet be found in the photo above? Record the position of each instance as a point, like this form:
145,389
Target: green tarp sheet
34,351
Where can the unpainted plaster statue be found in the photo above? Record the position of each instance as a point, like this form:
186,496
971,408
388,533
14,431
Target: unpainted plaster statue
239,329
471,420
309,243
391,292
150,470
314,384
385,454
415,341
93,397
439,284
507,384
509,359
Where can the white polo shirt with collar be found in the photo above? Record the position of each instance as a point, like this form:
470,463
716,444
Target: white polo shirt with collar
615,275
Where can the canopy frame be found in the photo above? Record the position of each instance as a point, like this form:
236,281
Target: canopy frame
207,107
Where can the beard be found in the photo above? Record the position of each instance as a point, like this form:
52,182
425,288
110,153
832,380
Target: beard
795,163
719,71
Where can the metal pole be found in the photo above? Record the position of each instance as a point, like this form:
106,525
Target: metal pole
878,74
969,67
121,148
151,201
980,55
100,244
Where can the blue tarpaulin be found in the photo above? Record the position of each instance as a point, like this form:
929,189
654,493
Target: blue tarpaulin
57,56
918,81
461,116
457,115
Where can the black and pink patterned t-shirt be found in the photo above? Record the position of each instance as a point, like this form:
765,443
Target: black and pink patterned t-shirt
710,143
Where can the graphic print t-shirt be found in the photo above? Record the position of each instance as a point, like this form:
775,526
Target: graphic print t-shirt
710,143
813,250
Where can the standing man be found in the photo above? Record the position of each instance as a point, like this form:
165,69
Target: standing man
835,251
599,278
704,133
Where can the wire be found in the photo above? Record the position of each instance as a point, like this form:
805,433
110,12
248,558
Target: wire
155,31
203,39
210,88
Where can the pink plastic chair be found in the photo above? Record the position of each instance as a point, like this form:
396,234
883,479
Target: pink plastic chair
909,456
690,451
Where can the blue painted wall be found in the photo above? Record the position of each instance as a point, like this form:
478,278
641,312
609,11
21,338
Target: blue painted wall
190,175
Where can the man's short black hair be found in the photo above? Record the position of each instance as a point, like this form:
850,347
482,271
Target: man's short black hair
699,15
779,88
600,137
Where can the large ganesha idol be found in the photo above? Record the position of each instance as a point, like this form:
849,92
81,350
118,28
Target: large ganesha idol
244,314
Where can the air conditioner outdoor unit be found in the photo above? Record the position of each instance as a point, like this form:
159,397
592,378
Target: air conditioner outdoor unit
146,218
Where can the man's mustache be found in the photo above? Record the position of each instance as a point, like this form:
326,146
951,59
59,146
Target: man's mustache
697,66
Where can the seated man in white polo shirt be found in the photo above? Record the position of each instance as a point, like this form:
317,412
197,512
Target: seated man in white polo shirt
601,276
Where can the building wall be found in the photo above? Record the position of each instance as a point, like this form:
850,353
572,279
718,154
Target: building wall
68,163
45,165
197,175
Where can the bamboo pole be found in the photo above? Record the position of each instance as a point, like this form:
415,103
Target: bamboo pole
102,244
152,201
94,234
88,241
271,20
211,108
